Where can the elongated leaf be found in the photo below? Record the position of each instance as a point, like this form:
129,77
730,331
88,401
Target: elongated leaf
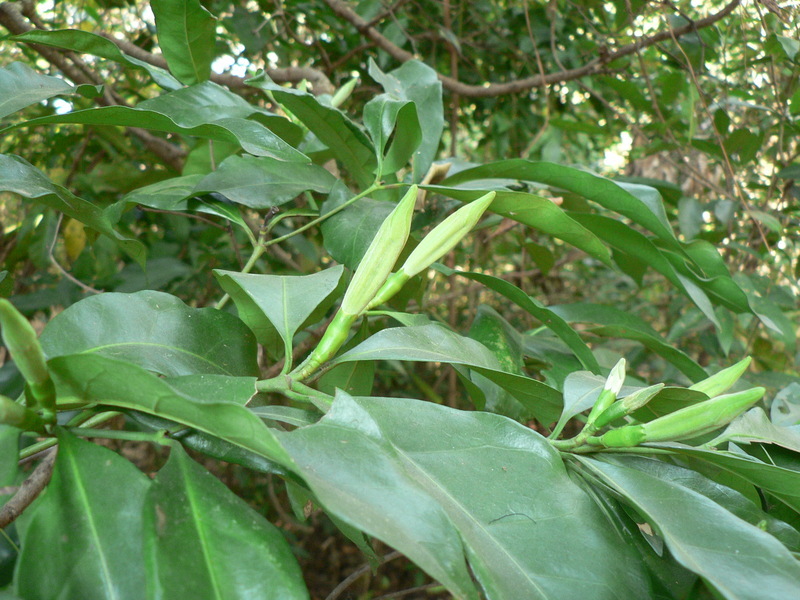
88,523
616,323
20,177
260,182
782,483
95,378
755,426
193,522
434,343
21,86
548,318
405,471
343,137
644,207
381,115
85,42
156,331
537,212
186,34
167,113
735,557
284,301
169,194
416,82
9,454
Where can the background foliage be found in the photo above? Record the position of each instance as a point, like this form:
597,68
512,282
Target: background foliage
186,187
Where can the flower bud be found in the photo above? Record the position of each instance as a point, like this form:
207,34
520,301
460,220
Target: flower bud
609,393
379,259
627,405
722,381
23,345
701,418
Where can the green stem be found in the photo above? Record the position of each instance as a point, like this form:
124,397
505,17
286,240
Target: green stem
373,188
112,434
261,245
49,443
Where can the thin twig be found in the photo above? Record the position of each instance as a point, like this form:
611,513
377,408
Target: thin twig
62,270
344,11
29,490
406,592
365,568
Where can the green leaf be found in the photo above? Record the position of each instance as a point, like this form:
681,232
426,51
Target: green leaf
186,34
381,115
446,487
435,343
345,140
205,110
96,379
617,324
83,537
537,212
9,454
549,319
416,82
284,302
155,331
170,194
785,407
193,522
260,182
641,204
755,426
85,42
20,177
21,86
780,482
733,556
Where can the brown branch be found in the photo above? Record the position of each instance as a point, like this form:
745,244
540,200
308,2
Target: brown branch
320,83
29,490
343,10
362,570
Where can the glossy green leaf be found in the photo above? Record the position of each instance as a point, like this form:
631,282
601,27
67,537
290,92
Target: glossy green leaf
405,471
83,537
215,388
192,524
618,324
549,319
537,212
785,407
170,194
283,301
782,483
186,34
9,454
97,379
20,177
204,110
416,82
343,137
85,42
381,116
755,426
435,343
732,555
643,206
21,86
155,331
261,182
